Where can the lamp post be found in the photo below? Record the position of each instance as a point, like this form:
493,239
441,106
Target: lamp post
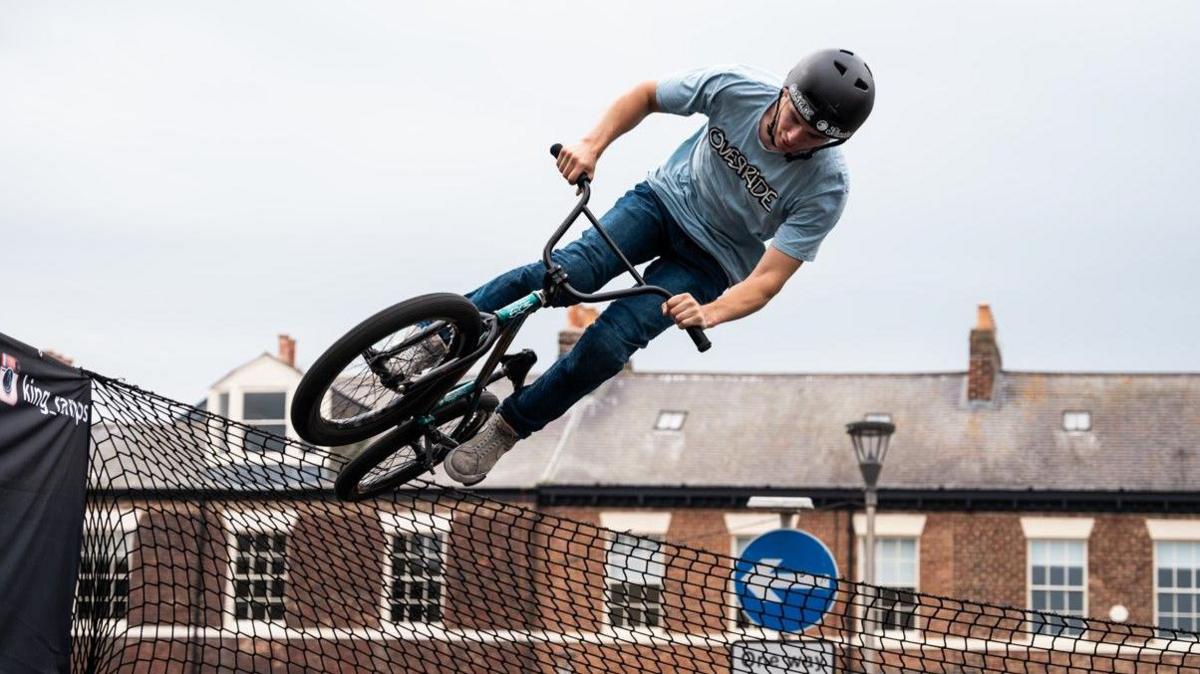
870,439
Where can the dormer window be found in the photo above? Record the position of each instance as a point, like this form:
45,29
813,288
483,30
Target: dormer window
670,420
265,411
878,416
1077,421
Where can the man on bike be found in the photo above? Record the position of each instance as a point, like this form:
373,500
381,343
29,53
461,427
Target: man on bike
761,169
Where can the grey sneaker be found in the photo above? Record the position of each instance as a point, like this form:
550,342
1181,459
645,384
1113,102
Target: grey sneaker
470,462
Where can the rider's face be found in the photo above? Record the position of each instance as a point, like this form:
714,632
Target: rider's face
792,133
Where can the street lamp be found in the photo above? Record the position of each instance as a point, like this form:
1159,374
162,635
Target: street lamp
870,439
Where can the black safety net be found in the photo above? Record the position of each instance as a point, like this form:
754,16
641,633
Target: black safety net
210,545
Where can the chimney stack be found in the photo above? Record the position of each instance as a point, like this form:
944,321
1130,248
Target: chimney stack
287,350
579,317
985,357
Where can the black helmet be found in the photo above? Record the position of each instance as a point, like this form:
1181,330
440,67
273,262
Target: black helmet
833,90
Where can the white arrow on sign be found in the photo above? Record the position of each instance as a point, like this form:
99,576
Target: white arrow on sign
765,579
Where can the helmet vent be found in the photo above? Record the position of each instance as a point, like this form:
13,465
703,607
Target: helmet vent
840,67
846,51
859,84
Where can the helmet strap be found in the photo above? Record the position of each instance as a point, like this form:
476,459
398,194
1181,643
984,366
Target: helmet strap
775,120
807,154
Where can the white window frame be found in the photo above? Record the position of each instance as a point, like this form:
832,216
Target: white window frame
124,520
419,523
643,524
1076,414
1054,528
910,634
1195,592
1067,632
891,526
677,418
1171,531
290,455
257,521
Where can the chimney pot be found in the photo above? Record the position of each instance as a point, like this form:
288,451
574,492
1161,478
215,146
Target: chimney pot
983,318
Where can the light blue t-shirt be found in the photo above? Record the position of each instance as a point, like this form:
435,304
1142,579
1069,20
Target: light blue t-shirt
728,191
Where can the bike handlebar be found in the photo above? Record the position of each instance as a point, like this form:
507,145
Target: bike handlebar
642,288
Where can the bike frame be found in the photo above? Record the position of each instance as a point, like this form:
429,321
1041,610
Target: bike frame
503,325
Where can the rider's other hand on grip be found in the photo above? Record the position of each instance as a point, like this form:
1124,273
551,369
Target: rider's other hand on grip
577,160
685,311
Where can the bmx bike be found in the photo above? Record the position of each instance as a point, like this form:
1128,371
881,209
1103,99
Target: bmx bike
380,376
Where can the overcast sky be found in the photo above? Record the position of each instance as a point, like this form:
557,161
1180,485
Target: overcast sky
182,181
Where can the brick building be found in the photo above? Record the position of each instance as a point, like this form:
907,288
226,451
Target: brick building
1066,492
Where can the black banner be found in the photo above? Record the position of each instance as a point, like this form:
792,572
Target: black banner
45,412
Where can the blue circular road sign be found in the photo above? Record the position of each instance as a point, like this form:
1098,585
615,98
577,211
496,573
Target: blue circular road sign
785,580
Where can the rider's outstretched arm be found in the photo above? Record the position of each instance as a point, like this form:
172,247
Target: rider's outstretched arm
739,301
624,114
753,293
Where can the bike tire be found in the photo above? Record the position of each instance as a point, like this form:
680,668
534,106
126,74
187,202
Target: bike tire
306,412
356,481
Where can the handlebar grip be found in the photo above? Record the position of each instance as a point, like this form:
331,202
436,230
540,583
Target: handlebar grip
700,340
583,178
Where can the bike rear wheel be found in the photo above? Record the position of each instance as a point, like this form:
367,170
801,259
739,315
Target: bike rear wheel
410,449
377,372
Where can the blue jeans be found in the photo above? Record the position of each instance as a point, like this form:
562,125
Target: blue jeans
644,230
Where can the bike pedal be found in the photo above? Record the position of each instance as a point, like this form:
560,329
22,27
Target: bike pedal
516,367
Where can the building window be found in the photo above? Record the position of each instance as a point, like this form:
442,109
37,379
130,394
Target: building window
878,416
1177,600
670,420
1077,421
1057,584
259,575
265,412
103,586
416,579
635,571
896,574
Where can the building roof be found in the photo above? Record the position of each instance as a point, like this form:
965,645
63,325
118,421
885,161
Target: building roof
780,431
788,431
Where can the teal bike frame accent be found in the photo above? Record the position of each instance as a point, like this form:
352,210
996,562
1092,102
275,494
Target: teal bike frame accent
505,316
522,307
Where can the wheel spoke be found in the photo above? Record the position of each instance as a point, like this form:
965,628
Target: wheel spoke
375,382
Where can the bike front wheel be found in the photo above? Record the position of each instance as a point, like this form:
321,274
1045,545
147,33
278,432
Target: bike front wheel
376,374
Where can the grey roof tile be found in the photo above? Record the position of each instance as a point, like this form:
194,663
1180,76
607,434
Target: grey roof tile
789,431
